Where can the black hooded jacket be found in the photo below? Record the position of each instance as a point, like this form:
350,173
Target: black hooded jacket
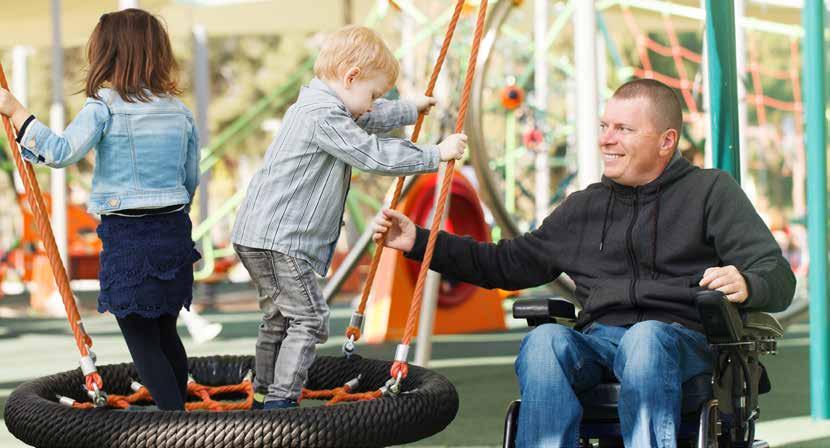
635,253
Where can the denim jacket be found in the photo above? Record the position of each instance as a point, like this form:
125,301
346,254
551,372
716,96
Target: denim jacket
294,203
146,154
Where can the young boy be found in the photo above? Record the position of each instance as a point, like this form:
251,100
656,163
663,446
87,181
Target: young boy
290,220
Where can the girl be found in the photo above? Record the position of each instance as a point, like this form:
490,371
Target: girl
146,172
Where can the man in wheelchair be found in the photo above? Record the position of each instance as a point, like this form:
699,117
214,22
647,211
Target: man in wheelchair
640,246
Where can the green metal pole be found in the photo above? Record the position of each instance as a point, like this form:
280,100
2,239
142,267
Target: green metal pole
814,101
280,96
224,210
363,198
723,85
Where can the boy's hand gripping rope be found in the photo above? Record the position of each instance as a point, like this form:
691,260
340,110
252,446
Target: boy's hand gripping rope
94,384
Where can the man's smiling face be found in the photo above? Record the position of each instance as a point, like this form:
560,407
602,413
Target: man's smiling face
634,149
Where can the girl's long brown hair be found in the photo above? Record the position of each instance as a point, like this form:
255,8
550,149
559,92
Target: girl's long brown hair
129,50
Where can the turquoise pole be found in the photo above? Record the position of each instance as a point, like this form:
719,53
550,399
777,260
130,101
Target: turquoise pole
723,88
814,102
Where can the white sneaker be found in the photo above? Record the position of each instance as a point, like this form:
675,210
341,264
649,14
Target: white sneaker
204,333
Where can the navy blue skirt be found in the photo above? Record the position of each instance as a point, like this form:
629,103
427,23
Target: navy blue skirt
146,264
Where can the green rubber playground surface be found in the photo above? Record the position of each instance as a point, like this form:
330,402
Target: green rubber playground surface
480,366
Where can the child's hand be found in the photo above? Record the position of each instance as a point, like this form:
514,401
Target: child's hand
8,103
424,103
453,147
10,107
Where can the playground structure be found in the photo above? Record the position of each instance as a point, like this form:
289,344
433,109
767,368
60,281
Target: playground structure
659,48
436,402
499,173
528,128
219,259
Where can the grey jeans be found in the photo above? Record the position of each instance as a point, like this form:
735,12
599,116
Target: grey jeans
295,317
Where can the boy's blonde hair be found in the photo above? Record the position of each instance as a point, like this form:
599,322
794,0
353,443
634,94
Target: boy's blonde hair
356,46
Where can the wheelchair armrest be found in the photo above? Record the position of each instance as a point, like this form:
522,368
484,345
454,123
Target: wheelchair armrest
543,311
720,318
724,324
762,325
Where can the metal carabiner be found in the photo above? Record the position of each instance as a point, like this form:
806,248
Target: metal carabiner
353,383
99,398
395,388
66,401
348,347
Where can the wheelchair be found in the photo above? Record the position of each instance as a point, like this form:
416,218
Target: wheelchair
719,409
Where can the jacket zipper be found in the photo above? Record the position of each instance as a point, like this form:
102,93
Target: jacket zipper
632,258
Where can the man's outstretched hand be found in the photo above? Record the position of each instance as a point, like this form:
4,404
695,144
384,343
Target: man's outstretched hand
728,280
397,228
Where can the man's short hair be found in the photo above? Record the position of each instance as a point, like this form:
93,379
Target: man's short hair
356,46
666,110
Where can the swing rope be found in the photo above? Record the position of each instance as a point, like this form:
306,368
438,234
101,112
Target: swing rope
400,368
353,331
94,383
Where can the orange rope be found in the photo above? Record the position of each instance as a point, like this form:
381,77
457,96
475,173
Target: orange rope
757,87
365,396
678,63
205,393
400,367
207,402
33,194
754,69
340,394
642,42
795,78
353,331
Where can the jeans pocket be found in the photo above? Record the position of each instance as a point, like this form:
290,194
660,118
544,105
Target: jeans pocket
309,280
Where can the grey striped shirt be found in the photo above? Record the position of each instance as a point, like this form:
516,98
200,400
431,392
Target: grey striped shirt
294,203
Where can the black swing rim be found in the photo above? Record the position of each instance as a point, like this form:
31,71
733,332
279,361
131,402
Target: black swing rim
428,403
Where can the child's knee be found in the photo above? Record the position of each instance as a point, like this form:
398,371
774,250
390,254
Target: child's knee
321,329
324,334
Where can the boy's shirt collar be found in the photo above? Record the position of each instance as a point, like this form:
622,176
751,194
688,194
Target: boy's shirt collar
320,85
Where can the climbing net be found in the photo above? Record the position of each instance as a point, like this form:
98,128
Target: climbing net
768,111
647,39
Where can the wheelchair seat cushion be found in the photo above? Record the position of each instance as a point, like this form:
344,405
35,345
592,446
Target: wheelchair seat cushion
600,402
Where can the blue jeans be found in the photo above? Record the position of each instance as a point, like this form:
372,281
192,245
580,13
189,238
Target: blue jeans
295,318
651,359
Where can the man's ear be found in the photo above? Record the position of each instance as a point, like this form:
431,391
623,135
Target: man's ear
668,141
351,76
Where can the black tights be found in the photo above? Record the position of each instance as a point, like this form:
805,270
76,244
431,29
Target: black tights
159,357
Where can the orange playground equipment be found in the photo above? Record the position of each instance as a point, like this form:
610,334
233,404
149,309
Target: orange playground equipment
30,260
462,307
